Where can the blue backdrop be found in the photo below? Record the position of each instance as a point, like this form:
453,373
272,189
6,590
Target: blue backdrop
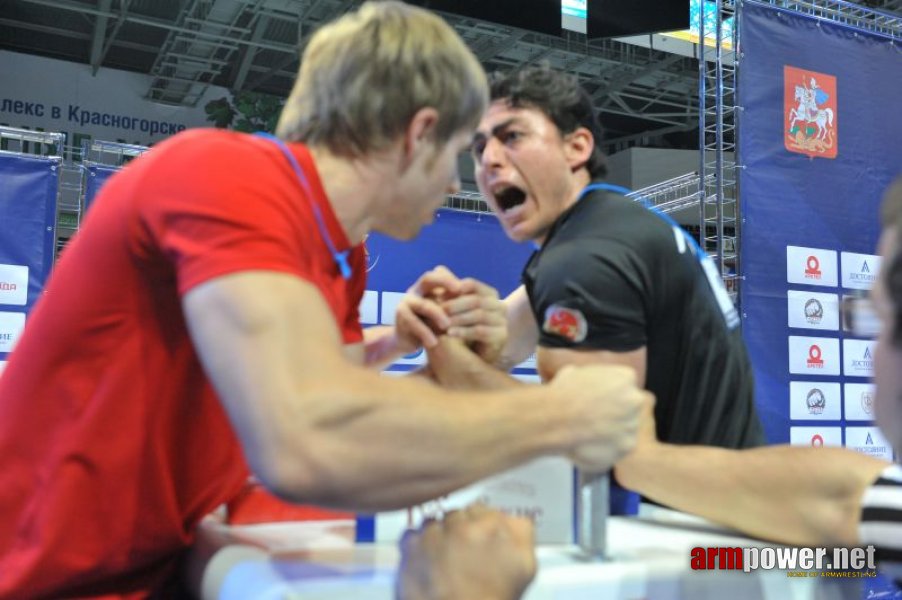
819,140
96,177
27,242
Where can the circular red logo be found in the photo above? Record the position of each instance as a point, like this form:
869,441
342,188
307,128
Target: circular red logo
814,352
817,441
814,265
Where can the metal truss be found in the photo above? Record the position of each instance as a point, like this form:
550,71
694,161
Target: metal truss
718,115
850,14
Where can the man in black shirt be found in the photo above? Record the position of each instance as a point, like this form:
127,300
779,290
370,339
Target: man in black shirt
611,282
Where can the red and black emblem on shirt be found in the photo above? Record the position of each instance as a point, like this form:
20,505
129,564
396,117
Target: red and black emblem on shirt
568,323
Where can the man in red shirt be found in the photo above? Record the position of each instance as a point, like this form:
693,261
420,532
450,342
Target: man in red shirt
203,326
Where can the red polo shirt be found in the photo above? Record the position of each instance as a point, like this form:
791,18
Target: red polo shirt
112,442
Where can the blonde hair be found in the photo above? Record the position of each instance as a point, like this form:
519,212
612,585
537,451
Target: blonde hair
365,75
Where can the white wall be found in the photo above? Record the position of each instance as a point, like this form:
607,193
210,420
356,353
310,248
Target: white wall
62,96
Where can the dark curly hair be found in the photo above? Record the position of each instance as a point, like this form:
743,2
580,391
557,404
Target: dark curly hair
558,95
891,216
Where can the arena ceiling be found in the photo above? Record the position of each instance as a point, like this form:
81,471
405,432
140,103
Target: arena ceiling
646,96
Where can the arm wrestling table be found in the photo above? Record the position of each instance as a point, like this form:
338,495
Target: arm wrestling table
648,558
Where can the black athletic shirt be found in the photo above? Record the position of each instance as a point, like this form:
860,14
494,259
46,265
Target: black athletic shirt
613,275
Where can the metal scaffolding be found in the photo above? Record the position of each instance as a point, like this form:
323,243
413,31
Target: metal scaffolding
850,14
717,190
719,112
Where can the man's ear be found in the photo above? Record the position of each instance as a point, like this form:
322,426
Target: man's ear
578,146
420,133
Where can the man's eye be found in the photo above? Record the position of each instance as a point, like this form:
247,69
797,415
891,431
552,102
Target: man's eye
477,149
510,136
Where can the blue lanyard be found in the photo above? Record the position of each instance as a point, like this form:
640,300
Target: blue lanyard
619,189
340,258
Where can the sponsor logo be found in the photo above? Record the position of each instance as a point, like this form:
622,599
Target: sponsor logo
872,449
866,362
810,113
816,401
567,323
810,400
814,311
859,271
817,440
869,441
867,402
13,284
864,274
813,268
814,357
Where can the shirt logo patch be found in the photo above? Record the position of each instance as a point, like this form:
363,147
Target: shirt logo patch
568,323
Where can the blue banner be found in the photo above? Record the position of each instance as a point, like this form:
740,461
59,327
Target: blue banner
819,143
96,177
28,219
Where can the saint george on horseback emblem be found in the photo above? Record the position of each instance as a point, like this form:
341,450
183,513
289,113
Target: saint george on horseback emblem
809,112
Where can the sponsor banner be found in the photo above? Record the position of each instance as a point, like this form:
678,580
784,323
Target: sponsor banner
809,310
56,95
11,326
810,85
14,284
541,490
868,440
815,401
815,436
859,271
811,266
813,355
28,237
859,401
369,308
858,358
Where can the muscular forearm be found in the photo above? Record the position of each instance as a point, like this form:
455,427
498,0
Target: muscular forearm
803,496
455,367
372,443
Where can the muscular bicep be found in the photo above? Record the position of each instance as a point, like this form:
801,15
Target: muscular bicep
261,337
592,298
551,360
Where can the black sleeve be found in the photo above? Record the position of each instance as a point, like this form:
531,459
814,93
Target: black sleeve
591,294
